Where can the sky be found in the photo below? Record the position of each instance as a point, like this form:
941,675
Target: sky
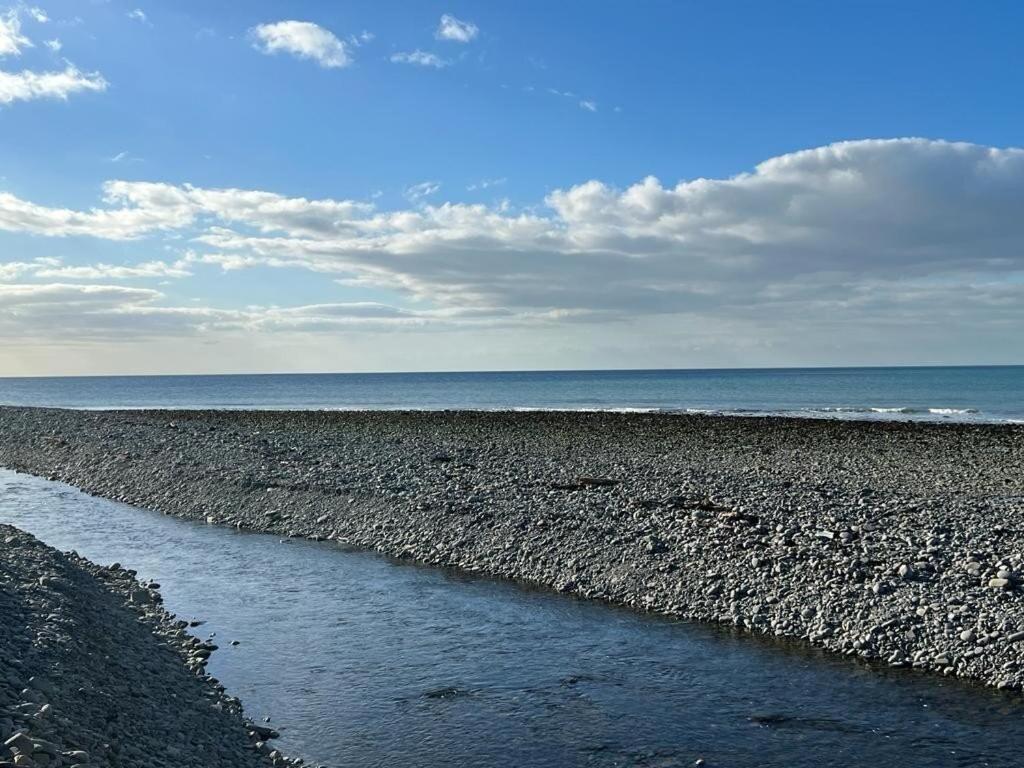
194,187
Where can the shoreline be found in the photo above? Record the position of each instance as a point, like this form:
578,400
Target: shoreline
853,414
890,540
94,671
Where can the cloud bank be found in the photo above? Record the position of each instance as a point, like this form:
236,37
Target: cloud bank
905,233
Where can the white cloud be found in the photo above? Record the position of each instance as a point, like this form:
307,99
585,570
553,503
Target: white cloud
848,235
138,15
63,294
456,30
11,38
424,189
303,39
62,312
586,104
52,268
146,269
419,58
27,85
136,209
124,156
12,270
486,184
164,208
362,38
57,313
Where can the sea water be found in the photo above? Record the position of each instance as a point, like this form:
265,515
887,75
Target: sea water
972,394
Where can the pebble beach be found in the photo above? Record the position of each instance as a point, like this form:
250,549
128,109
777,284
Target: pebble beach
897,543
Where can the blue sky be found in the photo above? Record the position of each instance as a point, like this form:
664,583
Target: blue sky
478,146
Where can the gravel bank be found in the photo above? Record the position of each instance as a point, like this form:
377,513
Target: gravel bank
895,542
93,672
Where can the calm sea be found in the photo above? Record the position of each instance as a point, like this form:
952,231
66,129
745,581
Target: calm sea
987,394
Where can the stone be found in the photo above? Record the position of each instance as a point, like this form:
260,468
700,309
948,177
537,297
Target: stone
42,685
263,732
47,747
19,742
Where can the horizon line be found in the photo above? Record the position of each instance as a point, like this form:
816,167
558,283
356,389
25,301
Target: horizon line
915,366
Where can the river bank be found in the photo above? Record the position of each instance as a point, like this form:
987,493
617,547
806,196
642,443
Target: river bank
894,542
93,671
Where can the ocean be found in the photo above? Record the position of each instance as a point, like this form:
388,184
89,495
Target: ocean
954,393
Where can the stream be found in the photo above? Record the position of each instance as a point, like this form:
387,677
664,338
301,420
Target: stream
360,660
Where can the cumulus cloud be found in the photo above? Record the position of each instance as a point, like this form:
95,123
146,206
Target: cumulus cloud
139,15
456,30
28,85
54,45
419,58
302,39
868,229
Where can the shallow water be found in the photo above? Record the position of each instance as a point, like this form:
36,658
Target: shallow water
363,661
